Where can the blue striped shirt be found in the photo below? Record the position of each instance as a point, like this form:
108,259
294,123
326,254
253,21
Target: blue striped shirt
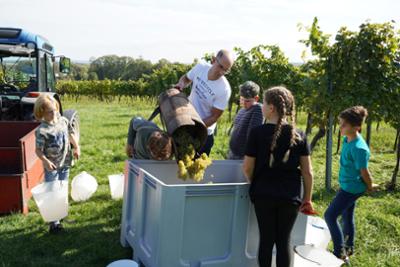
245,120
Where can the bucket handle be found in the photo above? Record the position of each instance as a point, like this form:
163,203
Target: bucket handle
156,111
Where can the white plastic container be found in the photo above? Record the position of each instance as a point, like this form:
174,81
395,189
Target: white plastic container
123,263
83,186
170,222
116,182
311,256
317,233
52,200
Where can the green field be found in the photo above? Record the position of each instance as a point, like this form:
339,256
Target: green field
94,239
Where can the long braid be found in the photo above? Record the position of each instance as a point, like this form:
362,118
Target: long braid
281,108
278,129
277,133
293,132
283,101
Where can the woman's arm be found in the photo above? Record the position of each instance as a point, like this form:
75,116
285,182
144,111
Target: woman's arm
307,173
248,167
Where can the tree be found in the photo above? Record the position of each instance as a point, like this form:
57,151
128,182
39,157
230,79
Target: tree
265,65
164,77
79,72
317,104
109,67
362,69
135,69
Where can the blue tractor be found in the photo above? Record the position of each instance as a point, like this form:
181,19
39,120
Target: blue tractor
27,69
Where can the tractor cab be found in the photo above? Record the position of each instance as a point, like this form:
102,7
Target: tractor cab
26,70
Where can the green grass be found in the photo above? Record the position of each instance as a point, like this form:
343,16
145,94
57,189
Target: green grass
94,239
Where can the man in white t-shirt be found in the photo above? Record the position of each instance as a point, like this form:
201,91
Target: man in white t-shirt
210,91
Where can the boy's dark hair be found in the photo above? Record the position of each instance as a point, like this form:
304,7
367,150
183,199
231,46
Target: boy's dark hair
160,145
249,89
355,116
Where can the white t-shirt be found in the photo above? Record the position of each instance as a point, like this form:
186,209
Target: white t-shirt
207,94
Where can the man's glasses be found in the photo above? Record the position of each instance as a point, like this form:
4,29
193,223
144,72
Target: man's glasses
226,71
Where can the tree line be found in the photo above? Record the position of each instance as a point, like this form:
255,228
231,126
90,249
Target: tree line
359,67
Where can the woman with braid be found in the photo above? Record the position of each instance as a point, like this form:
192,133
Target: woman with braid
277,156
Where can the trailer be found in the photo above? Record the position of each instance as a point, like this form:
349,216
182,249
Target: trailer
27,70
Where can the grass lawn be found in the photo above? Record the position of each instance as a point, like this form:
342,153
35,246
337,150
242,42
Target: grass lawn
94,239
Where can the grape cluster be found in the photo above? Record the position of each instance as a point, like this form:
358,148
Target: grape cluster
193,168
188,165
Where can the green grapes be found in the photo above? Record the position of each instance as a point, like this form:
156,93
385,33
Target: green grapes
182,171
188,166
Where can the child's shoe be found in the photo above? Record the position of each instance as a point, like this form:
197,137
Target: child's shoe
55,228
349,251
60,227
343,256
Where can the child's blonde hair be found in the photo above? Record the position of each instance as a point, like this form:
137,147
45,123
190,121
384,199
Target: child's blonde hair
42,102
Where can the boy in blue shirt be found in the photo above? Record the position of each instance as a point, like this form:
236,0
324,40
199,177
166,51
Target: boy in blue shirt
354,180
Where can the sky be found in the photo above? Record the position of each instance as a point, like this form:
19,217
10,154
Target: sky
180,30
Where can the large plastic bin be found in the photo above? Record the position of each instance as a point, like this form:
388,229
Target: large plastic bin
169,222
20,168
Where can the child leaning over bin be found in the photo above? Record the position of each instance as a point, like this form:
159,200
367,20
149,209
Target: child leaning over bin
147,141
277,155
354,181
53,138
249,116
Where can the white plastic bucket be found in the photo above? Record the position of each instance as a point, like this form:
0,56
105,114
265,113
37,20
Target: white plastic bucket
123,263
310,256
52,200
317,232
83,186
116,182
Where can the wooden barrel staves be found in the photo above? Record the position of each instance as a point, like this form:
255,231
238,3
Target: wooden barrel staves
177,113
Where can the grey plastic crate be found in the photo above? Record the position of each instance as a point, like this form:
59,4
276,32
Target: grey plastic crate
169,222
